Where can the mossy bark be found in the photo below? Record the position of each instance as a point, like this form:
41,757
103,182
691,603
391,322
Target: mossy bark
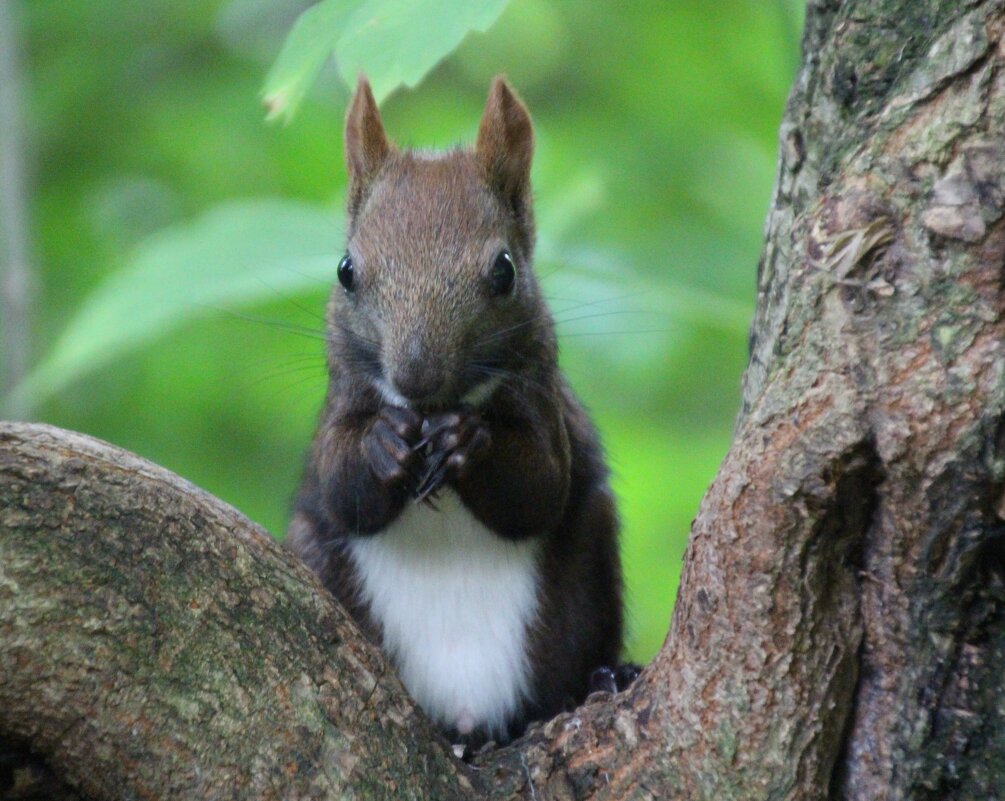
840,625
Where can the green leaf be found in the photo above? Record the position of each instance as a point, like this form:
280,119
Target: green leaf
308,45
236,253
396,42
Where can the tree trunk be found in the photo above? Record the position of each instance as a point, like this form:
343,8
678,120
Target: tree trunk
840,626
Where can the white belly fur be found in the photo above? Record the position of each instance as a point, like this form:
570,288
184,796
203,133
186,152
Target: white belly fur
455,602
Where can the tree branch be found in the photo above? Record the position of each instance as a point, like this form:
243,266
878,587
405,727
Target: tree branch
157,644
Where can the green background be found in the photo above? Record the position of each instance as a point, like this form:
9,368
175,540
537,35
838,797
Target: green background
183,245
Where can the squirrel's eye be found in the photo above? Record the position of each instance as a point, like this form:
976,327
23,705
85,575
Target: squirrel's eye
503,273
345,273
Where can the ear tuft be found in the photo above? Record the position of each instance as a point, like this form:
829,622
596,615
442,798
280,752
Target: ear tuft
505,145
366,145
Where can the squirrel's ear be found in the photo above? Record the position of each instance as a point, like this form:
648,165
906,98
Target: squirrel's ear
506,144
366,144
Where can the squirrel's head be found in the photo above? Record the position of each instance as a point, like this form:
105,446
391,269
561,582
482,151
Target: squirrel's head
435,302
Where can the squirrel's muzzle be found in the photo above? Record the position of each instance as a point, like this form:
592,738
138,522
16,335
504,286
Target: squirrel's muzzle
418,374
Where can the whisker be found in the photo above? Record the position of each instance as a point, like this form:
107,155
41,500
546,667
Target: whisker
325,282
287,299
309,370
281,361
512,382
286,388
497,335
615,333
597,301
298,330
597,315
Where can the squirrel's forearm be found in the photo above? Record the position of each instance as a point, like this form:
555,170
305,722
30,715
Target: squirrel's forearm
520,487
356,500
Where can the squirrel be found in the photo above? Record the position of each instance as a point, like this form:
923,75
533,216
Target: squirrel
455,498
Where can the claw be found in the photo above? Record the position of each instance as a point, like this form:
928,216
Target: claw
448,444
431,485
433,477
602,680
625,674
431,430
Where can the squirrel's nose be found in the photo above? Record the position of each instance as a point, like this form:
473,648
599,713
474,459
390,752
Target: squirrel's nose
418,375
417,383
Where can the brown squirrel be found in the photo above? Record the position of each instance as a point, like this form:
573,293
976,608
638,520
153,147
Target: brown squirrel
456,498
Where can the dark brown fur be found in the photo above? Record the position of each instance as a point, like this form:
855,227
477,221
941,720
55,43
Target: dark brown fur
423,234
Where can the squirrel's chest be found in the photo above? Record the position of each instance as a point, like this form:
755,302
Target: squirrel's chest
454,602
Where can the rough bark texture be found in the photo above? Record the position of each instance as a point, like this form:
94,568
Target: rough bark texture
157,644
840,625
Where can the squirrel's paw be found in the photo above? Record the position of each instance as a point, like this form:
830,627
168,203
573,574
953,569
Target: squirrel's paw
451,442
388,445
613,680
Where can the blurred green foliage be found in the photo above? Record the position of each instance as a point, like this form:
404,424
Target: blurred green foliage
185,246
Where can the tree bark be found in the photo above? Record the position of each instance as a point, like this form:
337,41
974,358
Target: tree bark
840,625
157,644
